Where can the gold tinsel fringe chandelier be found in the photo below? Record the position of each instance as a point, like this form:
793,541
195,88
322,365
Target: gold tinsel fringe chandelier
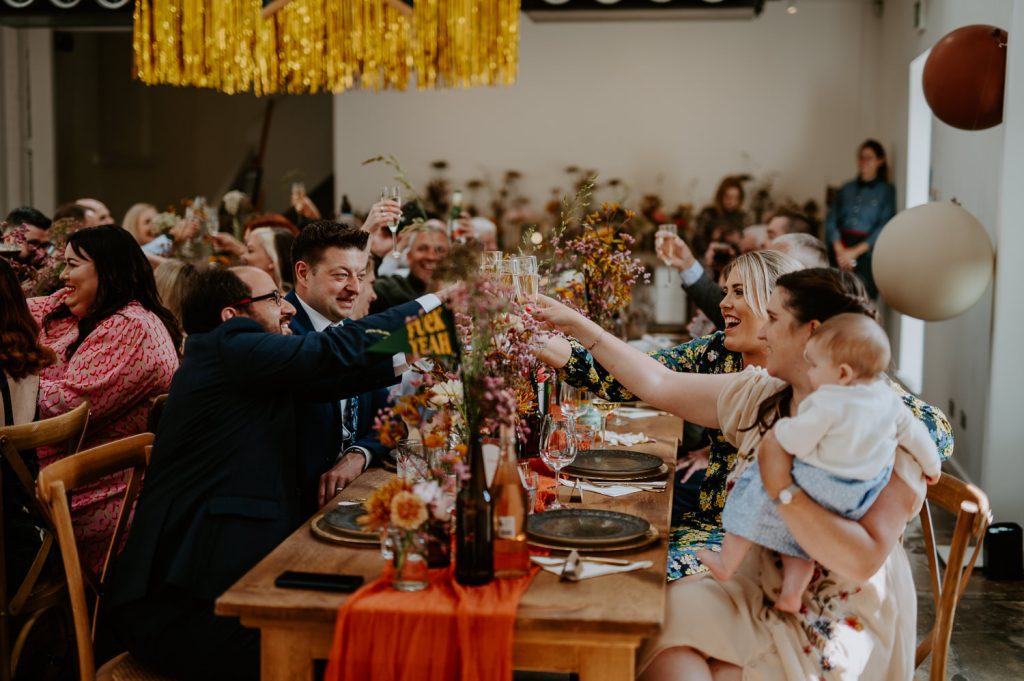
333,45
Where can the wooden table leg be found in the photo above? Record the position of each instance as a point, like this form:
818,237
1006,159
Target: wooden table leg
608,663
285,655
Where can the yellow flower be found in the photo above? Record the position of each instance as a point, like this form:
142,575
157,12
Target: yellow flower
408,511
378,506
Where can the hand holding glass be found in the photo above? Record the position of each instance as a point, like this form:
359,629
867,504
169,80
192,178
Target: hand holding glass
663,245
394,193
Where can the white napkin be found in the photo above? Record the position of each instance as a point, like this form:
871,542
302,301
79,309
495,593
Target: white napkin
637,413
612,491
627,439
554,566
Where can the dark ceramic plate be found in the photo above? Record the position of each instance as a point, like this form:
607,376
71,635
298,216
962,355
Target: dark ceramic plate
600,462
585,527
345,519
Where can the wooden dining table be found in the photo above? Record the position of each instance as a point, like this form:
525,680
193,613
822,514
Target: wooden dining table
592,627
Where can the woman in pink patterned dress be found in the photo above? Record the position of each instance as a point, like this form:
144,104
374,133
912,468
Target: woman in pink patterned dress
116,347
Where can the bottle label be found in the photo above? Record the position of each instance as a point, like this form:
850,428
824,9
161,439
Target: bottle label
506,527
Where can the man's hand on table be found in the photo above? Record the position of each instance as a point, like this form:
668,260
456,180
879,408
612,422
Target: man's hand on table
348,468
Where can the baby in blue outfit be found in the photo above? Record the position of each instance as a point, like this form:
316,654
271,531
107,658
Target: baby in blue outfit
844,437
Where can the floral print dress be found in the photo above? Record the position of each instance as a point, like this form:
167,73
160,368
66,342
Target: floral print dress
702,528
844,631
126,361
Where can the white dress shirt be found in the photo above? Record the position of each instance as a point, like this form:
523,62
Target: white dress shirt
428,302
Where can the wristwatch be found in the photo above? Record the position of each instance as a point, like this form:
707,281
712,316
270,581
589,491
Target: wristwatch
786,495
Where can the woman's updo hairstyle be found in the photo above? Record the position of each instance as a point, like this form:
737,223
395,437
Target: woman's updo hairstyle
820,293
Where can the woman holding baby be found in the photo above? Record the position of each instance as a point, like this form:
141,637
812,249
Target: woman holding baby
857,616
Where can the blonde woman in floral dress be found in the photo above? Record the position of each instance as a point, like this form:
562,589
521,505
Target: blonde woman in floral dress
858,618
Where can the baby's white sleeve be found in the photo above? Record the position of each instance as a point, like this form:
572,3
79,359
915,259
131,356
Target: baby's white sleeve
914,437
800,434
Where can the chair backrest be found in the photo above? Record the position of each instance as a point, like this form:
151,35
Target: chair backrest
970,506
17,442
54,487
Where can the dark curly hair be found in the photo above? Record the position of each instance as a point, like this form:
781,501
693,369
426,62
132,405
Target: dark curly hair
124,276
21,354
818,293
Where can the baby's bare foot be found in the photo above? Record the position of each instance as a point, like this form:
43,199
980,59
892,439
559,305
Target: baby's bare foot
713,561
789,603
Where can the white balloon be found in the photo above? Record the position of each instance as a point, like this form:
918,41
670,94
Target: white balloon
933,261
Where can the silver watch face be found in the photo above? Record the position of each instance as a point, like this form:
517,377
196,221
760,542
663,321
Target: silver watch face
786,496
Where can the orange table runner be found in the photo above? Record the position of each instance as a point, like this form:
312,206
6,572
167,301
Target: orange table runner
447,631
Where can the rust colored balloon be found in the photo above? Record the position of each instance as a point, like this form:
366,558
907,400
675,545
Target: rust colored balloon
965,75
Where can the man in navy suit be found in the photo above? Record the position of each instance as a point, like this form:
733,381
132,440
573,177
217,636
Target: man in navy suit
335,439
221,489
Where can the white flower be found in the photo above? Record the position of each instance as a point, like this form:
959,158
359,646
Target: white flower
231,201
448,392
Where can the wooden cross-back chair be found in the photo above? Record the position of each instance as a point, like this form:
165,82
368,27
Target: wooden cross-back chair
55,484
970,506
36,594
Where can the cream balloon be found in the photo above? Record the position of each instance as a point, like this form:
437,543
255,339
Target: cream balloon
933,261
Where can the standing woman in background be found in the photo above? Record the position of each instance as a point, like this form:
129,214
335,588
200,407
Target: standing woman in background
861,209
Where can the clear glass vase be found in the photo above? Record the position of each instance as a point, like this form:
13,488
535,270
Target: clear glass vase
409,559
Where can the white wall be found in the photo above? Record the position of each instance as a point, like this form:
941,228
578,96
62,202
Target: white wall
668,106
27,137
967,166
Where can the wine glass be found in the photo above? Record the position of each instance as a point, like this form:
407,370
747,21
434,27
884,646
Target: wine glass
606,407
662,237
557,448
393,193
570,400
490,260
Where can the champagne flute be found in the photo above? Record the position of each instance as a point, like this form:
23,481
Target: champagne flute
569,400
393,193
490,260
557,448
664,233
606,407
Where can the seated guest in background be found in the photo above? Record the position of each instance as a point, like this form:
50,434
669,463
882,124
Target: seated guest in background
138,221
117,347
22,357
330,266
70,211
755,238
724,214
174,279
33,226
96,212
428,244
786,221
809,250
486,233
221,487
265,248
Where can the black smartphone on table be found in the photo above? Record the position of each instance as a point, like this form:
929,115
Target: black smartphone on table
318,581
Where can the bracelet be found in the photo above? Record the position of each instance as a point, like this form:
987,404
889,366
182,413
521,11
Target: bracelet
596,341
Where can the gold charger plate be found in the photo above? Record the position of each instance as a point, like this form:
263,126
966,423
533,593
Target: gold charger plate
642,542
629,477
321,530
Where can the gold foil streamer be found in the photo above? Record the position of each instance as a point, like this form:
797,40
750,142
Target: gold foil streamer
332,45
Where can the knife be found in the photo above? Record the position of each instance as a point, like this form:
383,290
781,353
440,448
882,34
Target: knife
570,571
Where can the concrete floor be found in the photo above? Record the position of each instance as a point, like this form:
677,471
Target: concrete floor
988,631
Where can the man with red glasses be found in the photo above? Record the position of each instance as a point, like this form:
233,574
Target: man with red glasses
221,490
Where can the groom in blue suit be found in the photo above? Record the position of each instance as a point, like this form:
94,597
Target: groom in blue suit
221,488
336,442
